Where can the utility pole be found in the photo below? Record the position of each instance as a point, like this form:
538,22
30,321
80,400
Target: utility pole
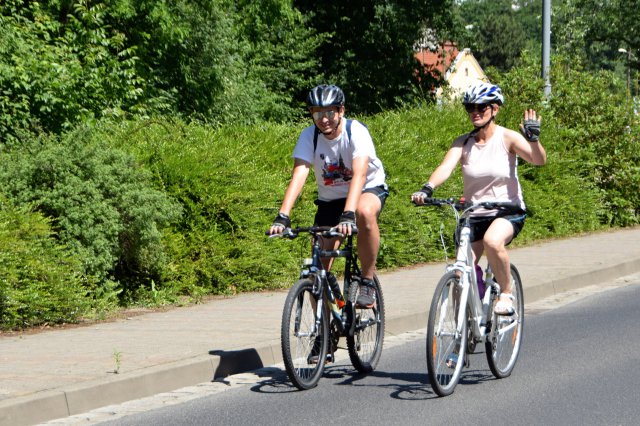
628,54
546,46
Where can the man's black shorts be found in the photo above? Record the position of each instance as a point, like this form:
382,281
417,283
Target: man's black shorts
329,212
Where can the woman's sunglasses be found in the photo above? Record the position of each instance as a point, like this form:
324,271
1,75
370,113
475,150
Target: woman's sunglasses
481,108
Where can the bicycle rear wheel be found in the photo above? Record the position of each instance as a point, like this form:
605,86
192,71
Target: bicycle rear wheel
446,343
304,345
365,346
505,337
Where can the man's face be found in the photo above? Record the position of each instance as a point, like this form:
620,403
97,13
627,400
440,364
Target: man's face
326,118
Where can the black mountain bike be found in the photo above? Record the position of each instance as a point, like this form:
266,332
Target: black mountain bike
316,314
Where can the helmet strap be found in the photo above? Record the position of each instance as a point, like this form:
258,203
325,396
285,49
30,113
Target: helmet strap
477,129
334,129
338,125
486,124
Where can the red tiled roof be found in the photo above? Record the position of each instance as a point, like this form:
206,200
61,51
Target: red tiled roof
438,62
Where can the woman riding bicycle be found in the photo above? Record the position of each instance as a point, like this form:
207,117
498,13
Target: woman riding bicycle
350,179
488,157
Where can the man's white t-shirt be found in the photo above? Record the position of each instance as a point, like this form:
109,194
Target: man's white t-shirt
333,158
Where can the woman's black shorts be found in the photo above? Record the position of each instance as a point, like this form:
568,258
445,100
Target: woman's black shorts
479,225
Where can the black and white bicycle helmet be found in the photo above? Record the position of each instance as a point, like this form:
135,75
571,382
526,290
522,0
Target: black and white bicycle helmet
325,95
483,93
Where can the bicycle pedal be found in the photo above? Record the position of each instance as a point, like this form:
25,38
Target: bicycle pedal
504,320
314,359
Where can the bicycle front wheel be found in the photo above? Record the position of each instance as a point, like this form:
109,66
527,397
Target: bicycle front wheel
365,346
505,336
446,342
304,343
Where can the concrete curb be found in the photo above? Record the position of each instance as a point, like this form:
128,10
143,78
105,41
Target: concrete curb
592,277
87,396
145,382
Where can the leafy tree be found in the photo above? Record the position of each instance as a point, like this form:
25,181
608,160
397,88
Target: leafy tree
189,50
496,30
220,60
596,38
369,49
70,61
56,73
281,54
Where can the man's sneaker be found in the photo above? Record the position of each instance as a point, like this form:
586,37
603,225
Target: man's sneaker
366,297
452,360
315,353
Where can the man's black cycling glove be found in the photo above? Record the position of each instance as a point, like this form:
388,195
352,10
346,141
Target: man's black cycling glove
427,190
348,218
282,220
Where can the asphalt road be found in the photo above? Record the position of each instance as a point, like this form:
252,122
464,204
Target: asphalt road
578,366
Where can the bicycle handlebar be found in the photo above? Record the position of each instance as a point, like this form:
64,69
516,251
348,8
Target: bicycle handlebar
462,205
324,231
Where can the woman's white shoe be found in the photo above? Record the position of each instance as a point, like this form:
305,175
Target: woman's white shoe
504,306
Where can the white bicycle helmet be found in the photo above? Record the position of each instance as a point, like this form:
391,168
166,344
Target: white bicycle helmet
325,95
483,93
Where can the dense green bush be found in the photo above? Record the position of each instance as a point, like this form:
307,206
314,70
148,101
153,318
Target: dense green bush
230,182
41,282
113,191
413,142
227,181
594,131
101,204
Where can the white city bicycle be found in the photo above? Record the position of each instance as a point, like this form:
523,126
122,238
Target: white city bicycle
459,318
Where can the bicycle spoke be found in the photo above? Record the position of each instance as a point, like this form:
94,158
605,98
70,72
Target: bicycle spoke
505,336
301,338
365,346
446,342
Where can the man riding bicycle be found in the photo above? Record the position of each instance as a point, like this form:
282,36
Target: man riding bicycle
350,179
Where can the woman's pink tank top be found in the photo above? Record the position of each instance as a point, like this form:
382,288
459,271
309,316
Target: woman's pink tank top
490,173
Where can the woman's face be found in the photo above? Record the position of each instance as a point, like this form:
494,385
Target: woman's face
480,113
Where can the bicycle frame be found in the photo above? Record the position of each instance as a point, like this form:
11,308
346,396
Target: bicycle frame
312,324
322,290
464,267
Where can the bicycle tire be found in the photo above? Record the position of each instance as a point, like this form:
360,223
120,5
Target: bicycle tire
365,345
443,337
503,343
299,335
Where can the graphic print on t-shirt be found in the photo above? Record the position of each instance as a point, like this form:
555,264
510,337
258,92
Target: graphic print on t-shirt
335,173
